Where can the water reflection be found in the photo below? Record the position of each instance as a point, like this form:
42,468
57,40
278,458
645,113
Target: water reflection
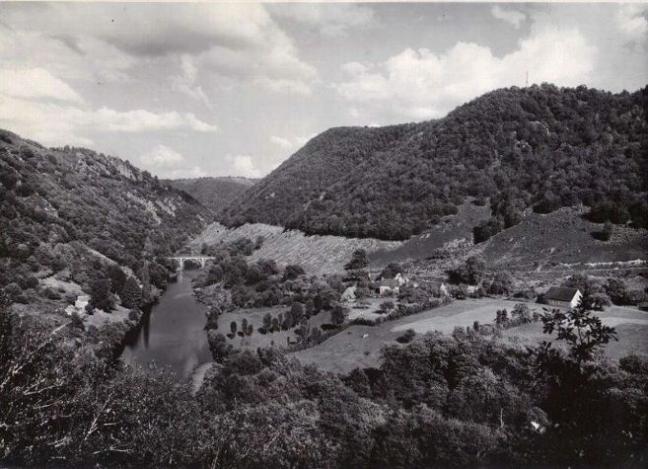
172,332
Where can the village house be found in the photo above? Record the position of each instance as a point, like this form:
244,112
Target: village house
387,287
563,297
391,286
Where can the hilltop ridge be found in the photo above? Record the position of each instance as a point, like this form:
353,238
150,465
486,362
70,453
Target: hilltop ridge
537,148
215,193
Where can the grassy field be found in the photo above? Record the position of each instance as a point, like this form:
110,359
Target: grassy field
360,346
630,323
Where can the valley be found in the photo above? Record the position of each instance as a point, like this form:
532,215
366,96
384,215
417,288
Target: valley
450,297
323,235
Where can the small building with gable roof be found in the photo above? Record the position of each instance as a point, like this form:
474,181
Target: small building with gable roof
564,297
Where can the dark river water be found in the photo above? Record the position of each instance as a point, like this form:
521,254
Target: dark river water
172,334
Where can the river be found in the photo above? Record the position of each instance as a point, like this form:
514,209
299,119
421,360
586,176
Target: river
172,333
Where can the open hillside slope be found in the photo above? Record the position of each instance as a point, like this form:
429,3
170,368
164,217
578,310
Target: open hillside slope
68,215
215,193
541,147
318,255
562,240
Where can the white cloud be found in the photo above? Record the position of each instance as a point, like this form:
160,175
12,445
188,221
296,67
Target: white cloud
513,17
185,82
288,143
330,19
242,165
420,84
107,42
167,163
162,156
82,58
140,120
58,124
35,83
632,21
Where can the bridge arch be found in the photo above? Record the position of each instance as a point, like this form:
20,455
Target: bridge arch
181,260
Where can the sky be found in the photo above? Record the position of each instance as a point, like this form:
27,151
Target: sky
192,90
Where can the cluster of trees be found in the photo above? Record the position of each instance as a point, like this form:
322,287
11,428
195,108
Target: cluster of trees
538,148
263,283
471,272
603,293
520,314
435,402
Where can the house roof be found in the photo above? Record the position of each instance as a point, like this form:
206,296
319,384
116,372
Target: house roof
561,293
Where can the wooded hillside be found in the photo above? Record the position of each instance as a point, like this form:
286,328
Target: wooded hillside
540,147
215,193
61,208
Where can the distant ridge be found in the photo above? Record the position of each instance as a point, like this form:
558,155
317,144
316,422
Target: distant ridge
539,148
215,193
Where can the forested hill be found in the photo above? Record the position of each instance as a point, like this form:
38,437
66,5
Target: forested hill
215,193
540,147
65,208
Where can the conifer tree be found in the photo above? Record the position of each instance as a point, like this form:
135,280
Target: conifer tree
131,294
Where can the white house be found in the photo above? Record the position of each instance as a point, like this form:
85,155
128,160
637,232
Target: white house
388,287
564,297
349,294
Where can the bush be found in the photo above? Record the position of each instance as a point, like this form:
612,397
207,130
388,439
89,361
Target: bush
486,230
358,260
502,284
339,314
100,296
618,293
407,337
471,272
292,272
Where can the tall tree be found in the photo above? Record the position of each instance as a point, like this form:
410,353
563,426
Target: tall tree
583,332
131,294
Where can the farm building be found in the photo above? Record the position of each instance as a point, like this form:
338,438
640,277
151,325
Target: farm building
563,296
388,287
391,286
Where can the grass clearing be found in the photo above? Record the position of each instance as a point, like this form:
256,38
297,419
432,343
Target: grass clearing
360,346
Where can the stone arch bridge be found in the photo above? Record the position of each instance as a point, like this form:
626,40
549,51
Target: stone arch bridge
202,260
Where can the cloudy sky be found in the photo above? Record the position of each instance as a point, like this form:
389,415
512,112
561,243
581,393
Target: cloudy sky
188,90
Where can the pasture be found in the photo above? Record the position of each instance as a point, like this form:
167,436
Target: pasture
631,325
360,346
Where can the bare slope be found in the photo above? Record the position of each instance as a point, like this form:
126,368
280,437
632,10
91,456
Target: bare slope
317,254
562,239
